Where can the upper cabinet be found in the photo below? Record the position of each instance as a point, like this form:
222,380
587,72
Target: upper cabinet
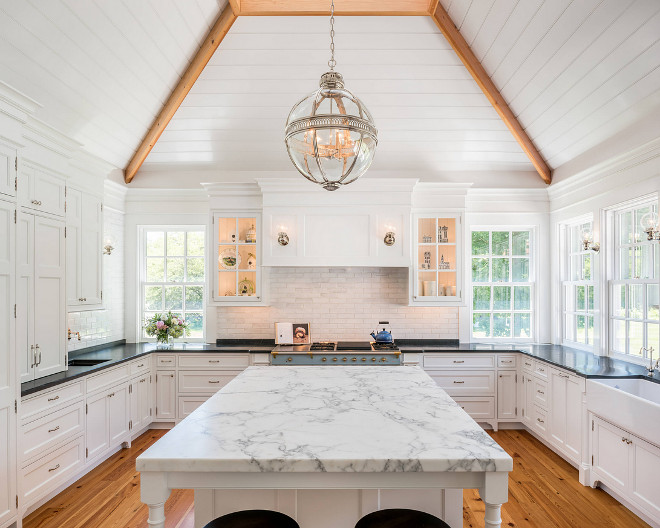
236,257
84,241
41,191
437,276
8,161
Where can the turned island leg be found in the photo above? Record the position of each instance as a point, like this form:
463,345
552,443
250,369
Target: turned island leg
494,493
154,492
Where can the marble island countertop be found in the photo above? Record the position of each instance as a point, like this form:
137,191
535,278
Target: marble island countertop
319,419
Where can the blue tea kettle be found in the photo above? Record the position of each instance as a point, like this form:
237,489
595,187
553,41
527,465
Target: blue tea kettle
384,336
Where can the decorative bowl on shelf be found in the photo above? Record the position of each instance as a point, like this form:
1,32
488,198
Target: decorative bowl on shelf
246,287
229,259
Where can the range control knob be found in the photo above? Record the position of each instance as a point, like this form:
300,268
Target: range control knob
334,359
289,359
324,359
353,359
344,359
364,359
383,359
373,359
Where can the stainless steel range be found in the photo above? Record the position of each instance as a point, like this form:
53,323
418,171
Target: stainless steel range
337,353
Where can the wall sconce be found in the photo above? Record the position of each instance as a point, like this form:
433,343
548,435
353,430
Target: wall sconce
108,244
282,237
390,235
588,241
650,224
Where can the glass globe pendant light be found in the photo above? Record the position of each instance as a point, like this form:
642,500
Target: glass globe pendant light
330,135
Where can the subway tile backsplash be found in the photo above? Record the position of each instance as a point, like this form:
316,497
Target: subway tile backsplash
339,303
97,327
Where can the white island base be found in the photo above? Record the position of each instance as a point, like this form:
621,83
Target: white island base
329,508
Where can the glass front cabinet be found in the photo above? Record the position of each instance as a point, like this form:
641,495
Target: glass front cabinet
237,258
437,276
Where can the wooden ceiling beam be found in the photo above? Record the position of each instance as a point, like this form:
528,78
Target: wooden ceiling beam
195,68
342,7
235,6
464,52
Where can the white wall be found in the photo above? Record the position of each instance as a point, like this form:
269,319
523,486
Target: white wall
98,327
340,303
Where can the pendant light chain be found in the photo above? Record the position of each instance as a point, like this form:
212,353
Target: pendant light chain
332,62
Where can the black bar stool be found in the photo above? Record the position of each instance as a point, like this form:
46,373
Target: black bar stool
253,519
400,518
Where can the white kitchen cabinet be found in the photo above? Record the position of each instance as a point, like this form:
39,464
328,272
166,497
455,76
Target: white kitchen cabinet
41,191
40,296
107,420
8,390
8,162
507,395
565,428
528,400
644,471
166,395
140,396
84,249
437,274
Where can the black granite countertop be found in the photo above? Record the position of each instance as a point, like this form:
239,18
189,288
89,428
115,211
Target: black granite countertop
116,353
580,362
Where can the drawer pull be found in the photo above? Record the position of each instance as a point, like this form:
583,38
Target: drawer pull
458,382
214,361
217,381
541,370
459,361
55,468
53,430
507,361
36,202
140,366
626,441
540,392
111,395
539,420
528,364
53,399
143,380
563,375
166,361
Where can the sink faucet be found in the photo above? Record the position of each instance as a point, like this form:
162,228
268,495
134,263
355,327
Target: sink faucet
651,366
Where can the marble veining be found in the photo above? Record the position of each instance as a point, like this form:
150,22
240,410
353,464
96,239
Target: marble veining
319,419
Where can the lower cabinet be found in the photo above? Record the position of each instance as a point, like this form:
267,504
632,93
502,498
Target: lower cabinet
527,404
166,395
107,420
626,464
507,395
565,428
140,398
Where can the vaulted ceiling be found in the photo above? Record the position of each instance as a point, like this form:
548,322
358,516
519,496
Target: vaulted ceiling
574,73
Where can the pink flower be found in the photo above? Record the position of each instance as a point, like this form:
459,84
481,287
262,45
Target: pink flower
161,325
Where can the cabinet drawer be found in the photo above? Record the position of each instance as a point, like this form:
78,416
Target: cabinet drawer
141,365
187,404
540,421
107,378
579,381
214,361
204,381
466,382
44,433
52,470
507,361
477,408
541,369
166,361
31,407
541,393
467,360
527,364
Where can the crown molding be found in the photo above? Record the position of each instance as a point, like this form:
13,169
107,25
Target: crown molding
300,185
18,100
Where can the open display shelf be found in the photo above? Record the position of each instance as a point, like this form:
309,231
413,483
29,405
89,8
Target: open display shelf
237,258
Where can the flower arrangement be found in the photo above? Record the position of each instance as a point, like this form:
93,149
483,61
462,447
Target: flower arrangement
165,326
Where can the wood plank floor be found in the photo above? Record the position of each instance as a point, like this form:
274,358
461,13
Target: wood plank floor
543,493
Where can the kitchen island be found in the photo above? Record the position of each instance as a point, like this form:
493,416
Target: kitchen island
319,428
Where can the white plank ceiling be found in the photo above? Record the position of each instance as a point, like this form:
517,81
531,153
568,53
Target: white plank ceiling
574,72
102,69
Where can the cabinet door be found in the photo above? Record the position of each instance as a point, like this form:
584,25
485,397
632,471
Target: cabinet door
48,193
141,402
166,395
25,296
91,247
49,296
574,420
7,174
558,404
7,364
610,452
507,395
528,403
73,247
118,414
645,468
97,425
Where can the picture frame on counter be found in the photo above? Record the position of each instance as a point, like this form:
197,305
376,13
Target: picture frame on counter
293,334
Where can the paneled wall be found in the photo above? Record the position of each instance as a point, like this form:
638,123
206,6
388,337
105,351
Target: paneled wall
340,303
97,327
